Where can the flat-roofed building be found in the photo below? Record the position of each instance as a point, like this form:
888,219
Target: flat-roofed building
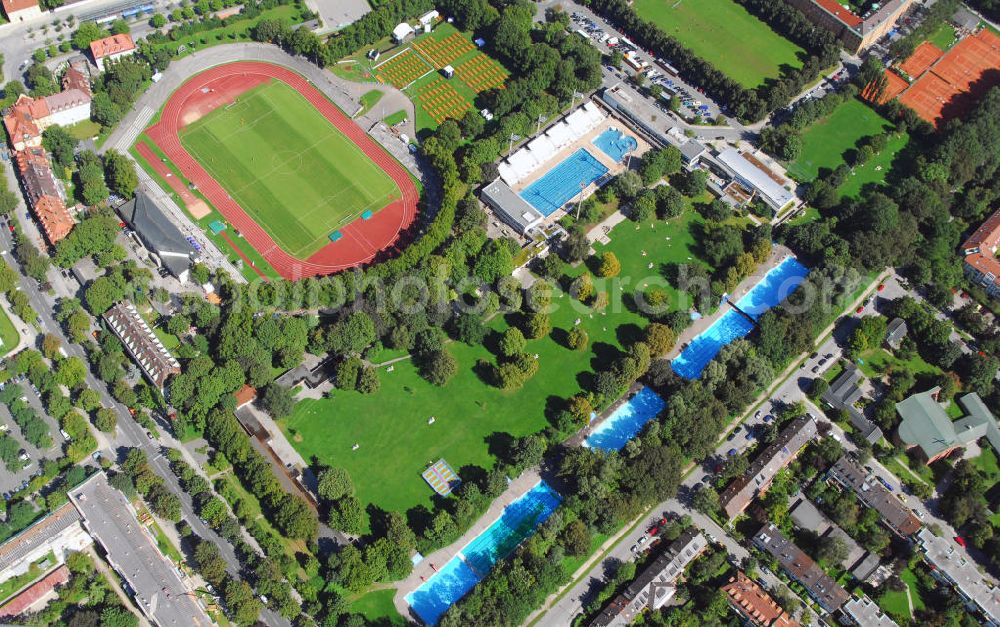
866,613
655,586
754,605
855,32
952,566
160,590
142,344
59,533
510,207
756,178
873,494
800,567
758,477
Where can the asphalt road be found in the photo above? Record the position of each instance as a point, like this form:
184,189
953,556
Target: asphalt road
129,433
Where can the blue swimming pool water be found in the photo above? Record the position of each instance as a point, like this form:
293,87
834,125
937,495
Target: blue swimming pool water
562,183
449,584
626,421
773,288
615,143
730,326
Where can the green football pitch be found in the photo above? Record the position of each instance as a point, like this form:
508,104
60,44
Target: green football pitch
726,35
287,166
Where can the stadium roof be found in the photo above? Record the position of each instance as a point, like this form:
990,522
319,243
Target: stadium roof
752,175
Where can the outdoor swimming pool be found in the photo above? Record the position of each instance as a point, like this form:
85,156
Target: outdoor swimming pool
776,285
562,182
730,326
615,143
626,421
477,558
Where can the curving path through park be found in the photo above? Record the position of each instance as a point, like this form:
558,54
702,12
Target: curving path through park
183,85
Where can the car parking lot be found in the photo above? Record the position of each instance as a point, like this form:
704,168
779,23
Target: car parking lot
31,456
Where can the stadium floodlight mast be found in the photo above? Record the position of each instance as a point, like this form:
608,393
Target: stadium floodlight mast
513,138
541,118
579,201
576,95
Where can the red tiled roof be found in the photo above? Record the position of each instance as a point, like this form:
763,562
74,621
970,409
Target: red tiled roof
68,99
19,604
111,45
984,264
75,79
838,11
755,604
12,6
55,218
20,118
245,394
987,236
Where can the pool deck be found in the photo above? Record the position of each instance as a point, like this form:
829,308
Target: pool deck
778,254
423,571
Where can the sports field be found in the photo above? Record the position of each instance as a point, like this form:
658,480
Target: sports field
287,166
825,141
726,35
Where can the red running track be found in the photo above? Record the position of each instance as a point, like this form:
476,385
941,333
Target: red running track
362,241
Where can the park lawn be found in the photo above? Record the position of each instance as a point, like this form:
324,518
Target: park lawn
825,141
877,362
726,35
390,426
9,338
395,118
368,100
233,31
84,130
297,175
221,243
944,37
811,214
378,608
875,169
986,463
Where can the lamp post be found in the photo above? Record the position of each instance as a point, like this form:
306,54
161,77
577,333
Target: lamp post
579,200
538,127
513,138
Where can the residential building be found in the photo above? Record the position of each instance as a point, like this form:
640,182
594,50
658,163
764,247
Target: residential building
159,234
855,32
863,570
951,566
58,533
896,516
654,587
927,426
842,395
245,395
981,264
25,599
111,48
800,567
28,117
895,332
738,494
510,207
43,193
142,344
159,589
807,516
754,176
866,613
754,605
21,10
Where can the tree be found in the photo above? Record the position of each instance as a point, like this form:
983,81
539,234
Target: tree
494,261
347,515
609,266
295,519
60,144
86,33
512,342
90,179
831,550
576,247
106,420
538,325
334,483
576,538
469,328
660,338
868,335
577,338
118,616
158,21
242,602
120,174
439,367
354,334
277,400
706,500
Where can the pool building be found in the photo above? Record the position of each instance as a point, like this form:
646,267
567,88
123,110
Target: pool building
566,162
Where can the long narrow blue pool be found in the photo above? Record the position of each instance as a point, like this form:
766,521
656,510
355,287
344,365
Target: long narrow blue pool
477,558
625,422
732,325
563,182
775,287
615,143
